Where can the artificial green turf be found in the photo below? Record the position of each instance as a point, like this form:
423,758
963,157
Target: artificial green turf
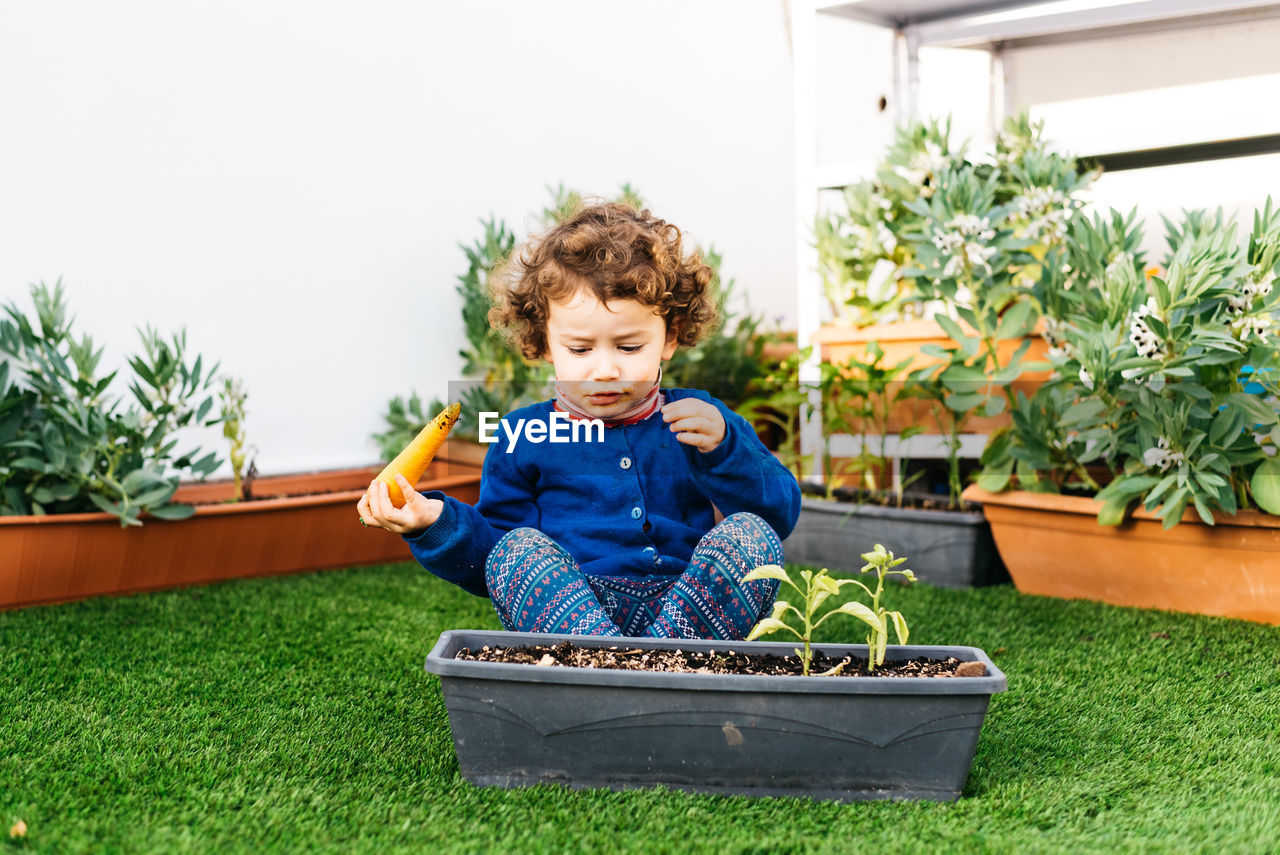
293,714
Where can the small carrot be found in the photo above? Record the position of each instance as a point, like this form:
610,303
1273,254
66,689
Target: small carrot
415,458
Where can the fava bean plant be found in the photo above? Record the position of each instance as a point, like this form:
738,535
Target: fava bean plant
818,588
1165,382
890,225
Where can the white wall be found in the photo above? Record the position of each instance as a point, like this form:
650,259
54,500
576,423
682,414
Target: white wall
290,179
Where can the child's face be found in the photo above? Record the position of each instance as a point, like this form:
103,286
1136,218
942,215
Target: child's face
606,356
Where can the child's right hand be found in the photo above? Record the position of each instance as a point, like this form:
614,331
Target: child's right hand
417,514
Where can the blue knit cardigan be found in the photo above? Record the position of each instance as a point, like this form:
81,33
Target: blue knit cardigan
634,504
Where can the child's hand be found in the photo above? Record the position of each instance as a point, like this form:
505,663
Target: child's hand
695,423
417,514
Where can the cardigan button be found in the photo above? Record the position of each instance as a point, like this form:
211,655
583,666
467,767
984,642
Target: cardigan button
636,513
625,463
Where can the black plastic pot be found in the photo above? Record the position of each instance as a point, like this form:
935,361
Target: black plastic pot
841,738
949,549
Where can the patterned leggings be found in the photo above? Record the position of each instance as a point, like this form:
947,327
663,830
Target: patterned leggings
536,586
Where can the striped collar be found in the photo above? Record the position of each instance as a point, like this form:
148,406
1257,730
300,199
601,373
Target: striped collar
645,407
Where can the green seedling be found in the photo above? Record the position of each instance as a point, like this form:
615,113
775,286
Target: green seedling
233,397
818,588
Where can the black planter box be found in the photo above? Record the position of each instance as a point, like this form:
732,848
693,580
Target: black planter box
949,549
841,738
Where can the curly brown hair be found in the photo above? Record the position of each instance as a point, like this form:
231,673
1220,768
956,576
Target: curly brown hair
616,253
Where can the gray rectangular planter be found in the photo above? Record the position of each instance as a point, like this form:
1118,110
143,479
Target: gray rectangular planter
949,549
842,738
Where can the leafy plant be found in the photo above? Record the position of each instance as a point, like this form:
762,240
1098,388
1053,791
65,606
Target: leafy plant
730,362
404,420
780,403
1164,388
866,393
68,445
889,225
857,397
974,266
505,378
818,588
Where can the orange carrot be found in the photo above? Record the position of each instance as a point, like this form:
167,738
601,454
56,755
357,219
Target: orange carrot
415,458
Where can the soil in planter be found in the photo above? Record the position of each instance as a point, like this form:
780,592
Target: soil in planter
728,661
928,489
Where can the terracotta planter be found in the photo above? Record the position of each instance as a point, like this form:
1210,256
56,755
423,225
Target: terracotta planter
464,452
903,340
776,351
311,524
1053,545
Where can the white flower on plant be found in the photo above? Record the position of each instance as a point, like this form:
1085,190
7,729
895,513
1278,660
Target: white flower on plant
1239,305
1086,378
1264,283
1055,336
923,165
1121,261
1044,208
971,225
975,255
1137,375
886,237
1162,456
948,241
964,243
1037,200
980,255
964,296
1147,342
855,233
1245,325
931,158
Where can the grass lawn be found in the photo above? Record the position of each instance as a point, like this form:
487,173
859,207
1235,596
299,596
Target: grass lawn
293,714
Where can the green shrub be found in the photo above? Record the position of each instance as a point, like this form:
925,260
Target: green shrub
68,445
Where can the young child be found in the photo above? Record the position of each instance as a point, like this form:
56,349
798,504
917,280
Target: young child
613,533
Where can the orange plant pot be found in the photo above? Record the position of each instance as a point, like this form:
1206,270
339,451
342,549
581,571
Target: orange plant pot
903,340
303,522
1053,546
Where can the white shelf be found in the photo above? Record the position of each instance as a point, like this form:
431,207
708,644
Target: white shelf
979,24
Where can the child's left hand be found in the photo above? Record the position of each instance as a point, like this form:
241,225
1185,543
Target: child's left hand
695,423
